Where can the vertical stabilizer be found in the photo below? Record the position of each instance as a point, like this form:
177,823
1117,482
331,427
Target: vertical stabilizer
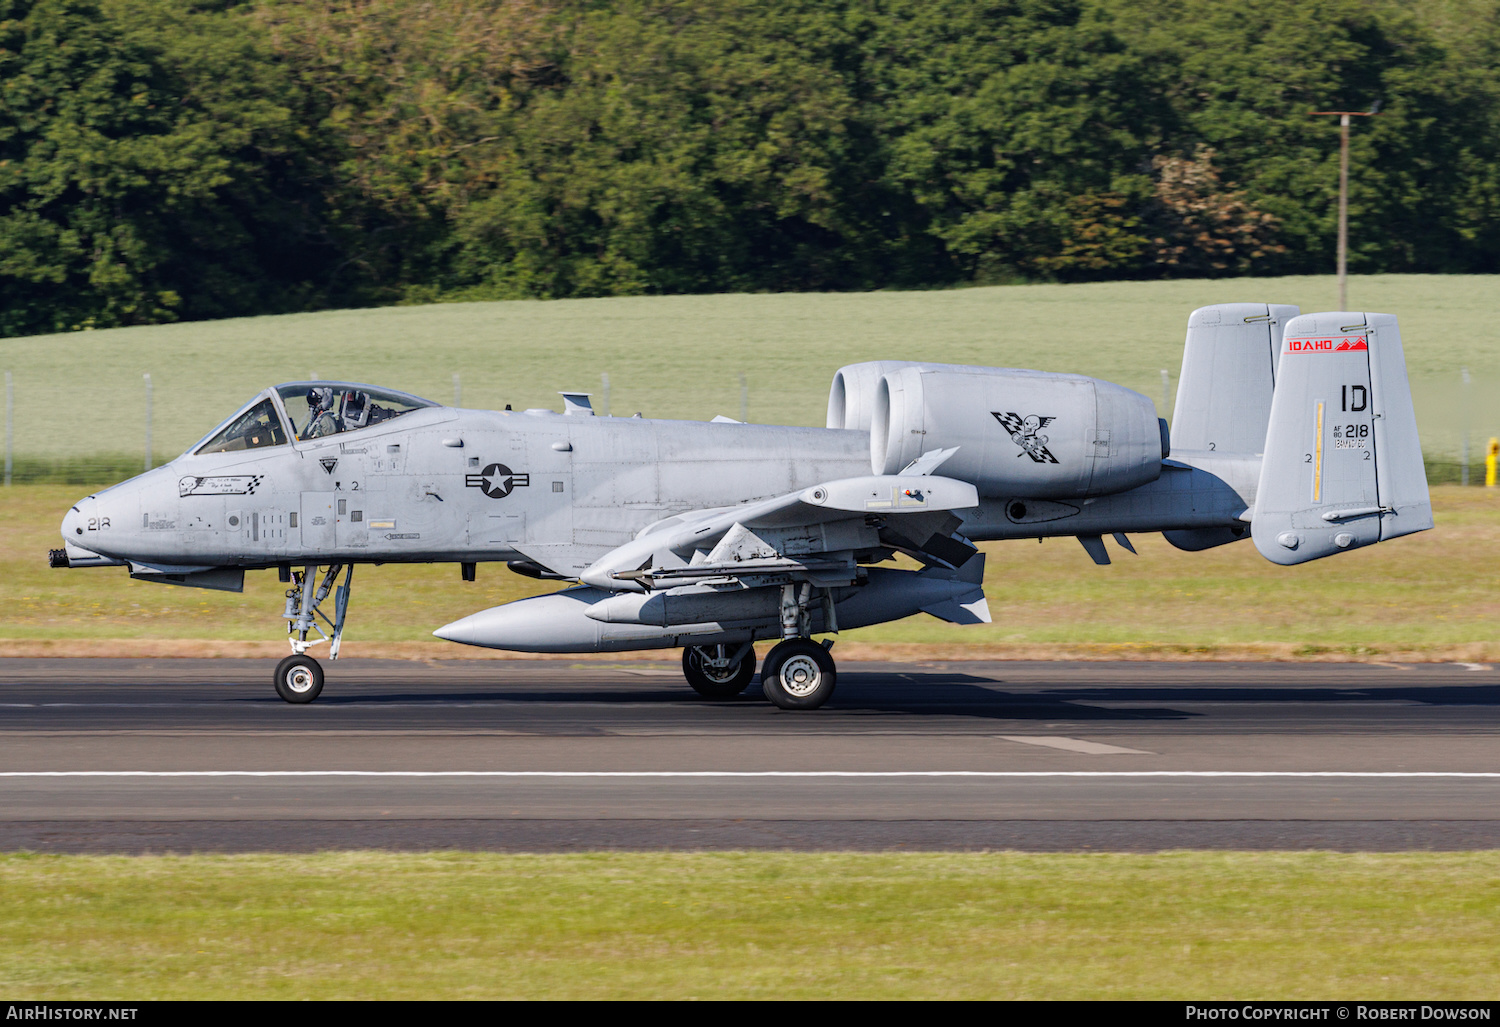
1228,375
1343,462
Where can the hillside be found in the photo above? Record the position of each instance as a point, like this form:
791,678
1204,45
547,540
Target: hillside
80,395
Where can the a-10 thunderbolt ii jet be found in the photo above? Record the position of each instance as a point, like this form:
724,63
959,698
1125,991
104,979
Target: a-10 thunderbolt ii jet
1294,431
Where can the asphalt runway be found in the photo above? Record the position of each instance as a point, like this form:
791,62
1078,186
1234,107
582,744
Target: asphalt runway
200,755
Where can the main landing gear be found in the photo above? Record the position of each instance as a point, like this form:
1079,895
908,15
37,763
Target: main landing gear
299,678
719,671
799,674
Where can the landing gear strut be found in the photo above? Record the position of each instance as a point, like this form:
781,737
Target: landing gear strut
299,678
799,674
719,671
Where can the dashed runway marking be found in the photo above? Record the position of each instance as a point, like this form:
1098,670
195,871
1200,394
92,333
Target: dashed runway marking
1076,745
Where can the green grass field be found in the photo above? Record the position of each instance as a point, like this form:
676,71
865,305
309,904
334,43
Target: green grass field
752,925
81,395
1428,596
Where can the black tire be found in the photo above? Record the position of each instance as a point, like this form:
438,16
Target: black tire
798,674
299,679
716,684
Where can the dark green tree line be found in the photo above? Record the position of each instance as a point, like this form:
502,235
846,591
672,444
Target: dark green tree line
172,159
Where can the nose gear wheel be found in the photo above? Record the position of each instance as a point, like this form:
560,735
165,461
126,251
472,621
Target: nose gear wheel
299,679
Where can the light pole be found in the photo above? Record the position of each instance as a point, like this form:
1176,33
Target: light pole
148,421
10,428
1343,257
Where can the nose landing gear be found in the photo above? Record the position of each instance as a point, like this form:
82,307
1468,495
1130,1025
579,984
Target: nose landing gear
299,678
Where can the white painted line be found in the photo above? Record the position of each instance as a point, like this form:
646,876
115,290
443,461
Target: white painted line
1484,775
1076,745
1476,666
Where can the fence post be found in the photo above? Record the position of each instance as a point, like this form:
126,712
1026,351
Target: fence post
10,434
148,421
1463,476
744,398
1166,394
1491,456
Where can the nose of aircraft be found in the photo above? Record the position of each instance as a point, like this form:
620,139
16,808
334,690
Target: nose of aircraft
76,519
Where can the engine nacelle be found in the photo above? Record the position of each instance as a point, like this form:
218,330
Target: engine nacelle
1018,433
851,400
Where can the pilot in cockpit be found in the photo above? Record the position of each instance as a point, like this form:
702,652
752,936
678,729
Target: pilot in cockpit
335,408
322,413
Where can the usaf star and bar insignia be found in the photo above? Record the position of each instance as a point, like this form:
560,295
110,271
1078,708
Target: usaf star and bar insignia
497,481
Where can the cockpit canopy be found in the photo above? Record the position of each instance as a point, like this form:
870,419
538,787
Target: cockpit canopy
327,408
257,425
315,410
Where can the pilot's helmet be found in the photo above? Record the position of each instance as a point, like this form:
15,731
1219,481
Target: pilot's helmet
356,409
319,398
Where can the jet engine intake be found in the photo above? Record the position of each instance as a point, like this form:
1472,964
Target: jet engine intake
851,399
1018,433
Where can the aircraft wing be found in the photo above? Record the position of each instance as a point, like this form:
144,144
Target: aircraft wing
818,534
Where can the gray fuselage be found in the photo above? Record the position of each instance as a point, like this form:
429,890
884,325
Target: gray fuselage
442,484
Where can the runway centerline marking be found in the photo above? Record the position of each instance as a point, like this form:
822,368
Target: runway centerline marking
1076,745
1394,774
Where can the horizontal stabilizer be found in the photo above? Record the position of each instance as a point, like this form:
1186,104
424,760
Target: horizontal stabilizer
1195,540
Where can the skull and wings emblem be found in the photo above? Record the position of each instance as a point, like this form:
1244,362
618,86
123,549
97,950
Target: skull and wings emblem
1025,432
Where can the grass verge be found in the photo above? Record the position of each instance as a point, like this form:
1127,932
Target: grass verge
752,925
